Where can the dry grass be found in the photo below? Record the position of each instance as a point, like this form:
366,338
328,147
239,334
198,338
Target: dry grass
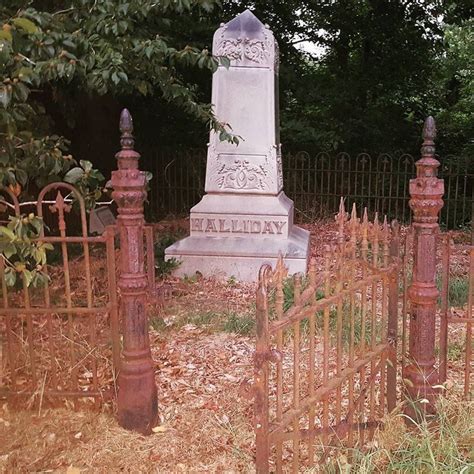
205,405
205,419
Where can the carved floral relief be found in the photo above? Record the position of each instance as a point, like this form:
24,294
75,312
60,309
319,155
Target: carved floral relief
238,49
241,175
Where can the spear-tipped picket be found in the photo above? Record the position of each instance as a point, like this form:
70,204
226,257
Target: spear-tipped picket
297,288
376,225
365,225
365,235
375,239
385,229
341,219
386,240
354,223
280,272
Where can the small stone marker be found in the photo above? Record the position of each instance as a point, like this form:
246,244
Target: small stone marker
245,219
99,219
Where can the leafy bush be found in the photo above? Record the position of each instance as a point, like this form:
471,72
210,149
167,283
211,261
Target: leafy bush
24,257
105,47
165,267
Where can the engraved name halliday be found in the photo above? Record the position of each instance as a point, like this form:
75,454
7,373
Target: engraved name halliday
237,226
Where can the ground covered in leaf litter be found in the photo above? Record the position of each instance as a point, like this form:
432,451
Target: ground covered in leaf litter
202,341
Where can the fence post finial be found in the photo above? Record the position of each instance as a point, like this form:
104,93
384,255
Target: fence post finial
341,219
429,129
127,157
126,130
385,230
426,193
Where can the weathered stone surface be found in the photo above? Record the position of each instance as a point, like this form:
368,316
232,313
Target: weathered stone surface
245,219
99,219
246,96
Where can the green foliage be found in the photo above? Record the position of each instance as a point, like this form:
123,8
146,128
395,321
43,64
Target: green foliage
23,256
158,323
458,291
432,446
87,181
108,47
221,321
164,267
346,83
456,351
361,93
241,324
456,83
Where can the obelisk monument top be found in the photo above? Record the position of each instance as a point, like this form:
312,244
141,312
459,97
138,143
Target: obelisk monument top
245,219
246,41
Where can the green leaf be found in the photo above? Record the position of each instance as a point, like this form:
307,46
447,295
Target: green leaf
5,51
7,233
86,165
21,176
10,277
25,24
5,35
21,91
9,250
28,277
142,87
74,175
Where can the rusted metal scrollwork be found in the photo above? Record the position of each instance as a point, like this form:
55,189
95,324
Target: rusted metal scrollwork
426,192
325,360
137,394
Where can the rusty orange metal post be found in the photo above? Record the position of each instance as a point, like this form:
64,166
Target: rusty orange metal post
137,393
426,192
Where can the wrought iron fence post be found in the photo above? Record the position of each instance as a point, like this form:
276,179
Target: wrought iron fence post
393,318
262,373
137,393
426,192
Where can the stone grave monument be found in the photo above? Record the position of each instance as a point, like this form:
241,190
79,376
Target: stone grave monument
245,219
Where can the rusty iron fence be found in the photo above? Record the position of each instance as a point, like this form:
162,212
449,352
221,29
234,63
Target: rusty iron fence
325,362
456,315
61,340
316,181
82,334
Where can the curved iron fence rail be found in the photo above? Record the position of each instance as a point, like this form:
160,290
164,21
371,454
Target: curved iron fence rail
61,339
316,182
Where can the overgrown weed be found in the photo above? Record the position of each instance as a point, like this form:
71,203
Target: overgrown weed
164,267
444,444
242,324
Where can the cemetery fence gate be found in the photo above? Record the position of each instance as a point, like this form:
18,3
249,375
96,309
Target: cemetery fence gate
325,362
62,339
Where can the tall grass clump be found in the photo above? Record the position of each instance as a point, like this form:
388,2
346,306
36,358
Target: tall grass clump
441,445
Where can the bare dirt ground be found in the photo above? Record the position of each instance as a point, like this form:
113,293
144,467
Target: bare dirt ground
202,342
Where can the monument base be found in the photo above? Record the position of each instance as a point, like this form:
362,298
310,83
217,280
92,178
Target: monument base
226,241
